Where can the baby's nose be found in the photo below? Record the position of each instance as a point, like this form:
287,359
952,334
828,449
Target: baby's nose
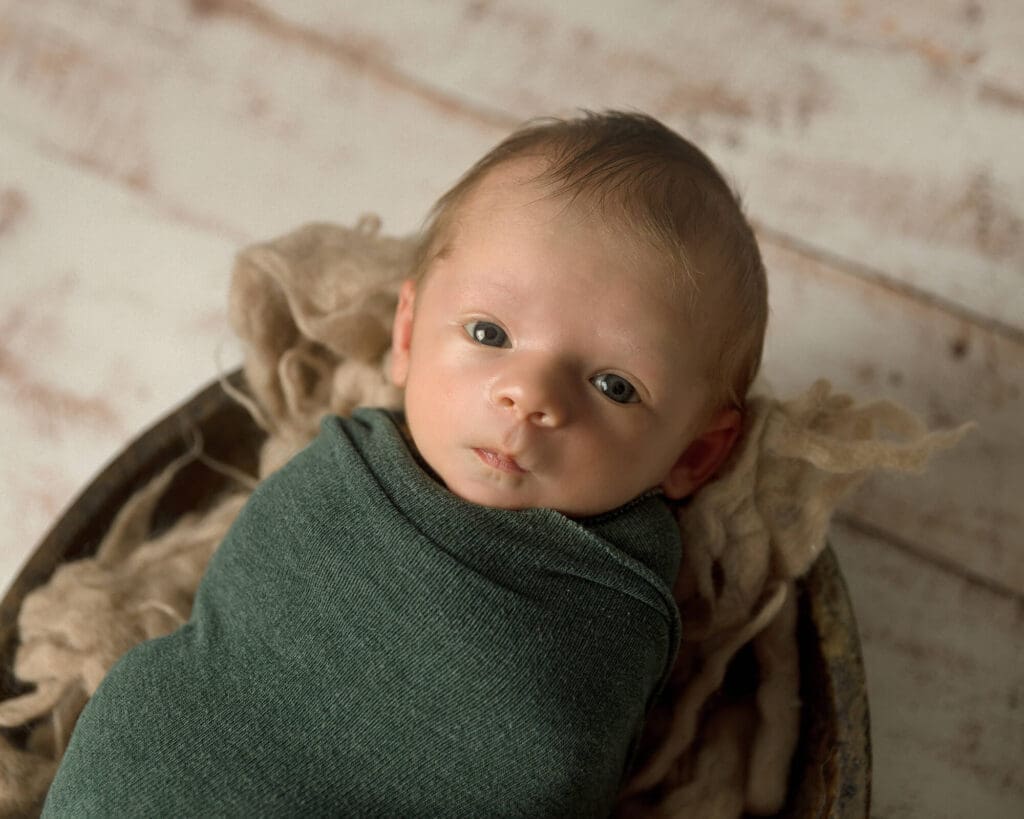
536,394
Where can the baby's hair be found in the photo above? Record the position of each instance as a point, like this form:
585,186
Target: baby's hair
644,177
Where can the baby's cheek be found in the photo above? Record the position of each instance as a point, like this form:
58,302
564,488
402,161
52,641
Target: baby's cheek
605,469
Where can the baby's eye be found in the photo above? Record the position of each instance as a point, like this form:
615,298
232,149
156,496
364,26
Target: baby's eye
486,332
617,388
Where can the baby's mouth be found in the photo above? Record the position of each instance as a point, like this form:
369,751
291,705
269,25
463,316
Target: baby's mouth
499,461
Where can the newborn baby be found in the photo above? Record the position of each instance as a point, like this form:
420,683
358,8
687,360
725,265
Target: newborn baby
465,608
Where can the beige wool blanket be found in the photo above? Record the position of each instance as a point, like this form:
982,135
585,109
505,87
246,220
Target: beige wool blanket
313,309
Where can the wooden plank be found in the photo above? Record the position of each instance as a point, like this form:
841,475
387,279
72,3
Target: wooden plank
886,135
225,125
245,134
873,342
945,673
110,314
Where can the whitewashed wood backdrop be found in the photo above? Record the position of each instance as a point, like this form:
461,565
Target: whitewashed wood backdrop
879,148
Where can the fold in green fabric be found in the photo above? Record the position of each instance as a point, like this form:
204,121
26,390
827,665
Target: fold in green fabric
366,643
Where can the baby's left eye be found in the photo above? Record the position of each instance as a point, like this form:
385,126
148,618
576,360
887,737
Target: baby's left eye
617,388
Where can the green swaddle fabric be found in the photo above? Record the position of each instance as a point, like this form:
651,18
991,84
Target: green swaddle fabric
366,643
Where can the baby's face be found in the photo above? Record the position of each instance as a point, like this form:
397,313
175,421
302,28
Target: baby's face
544,365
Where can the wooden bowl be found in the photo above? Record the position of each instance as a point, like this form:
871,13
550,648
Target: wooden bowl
831,772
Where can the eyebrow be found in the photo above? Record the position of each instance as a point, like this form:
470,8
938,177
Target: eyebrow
497,287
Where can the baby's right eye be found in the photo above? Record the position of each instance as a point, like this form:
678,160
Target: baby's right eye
487,332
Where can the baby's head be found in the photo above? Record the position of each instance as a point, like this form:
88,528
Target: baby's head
586,316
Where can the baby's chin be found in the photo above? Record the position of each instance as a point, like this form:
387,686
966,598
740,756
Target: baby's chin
504,495
495,494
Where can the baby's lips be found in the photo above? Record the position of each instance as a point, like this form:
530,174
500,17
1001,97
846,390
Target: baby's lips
499,460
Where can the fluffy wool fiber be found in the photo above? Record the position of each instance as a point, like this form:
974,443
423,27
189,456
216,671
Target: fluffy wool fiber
314,310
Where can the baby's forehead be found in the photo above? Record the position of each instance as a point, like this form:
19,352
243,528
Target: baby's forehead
515,191
509,190
512,192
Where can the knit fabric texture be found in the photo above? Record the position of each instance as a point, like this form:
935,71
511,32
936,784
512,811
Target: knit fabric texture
366,643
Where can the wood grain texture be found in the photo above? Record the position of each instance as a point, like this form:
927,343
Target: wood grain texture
110,312
945,671
875,343
221,125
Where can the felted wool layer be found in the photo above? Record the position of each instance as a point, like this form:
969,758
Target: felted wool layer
364,640
313,309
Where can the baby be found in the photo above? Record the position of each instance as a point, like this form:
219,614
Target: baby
465,609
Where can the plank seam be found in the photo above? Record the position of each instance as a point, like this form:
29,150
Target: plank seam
865,273
335,49
943,564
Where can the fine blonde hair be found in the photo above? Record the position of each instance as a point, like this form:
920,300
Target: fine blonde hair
661,189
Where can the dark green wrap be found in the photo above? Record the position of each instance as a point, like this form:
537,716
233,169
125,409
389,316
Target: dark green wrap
366,643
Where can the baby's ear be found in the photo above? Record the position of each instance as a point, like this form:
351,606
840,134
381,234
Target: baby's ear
401,333
704,454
